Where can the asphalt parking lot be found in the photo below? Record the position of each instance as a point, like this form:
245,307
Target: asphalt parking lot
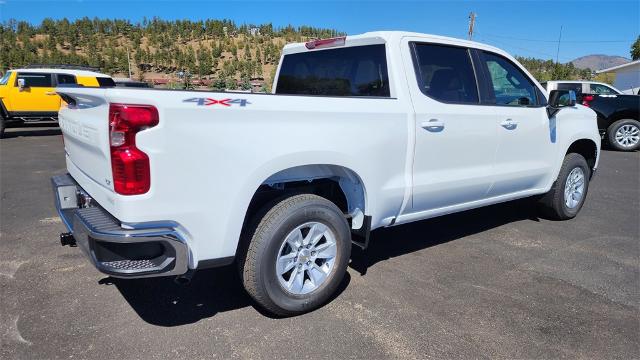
497,282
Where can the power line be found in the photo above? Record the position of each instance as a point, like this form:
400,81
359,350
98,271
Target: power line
555,41
503,43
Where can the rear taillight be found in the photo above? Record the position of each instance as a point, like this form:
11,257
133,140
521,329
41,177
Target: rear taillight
586,99
129,165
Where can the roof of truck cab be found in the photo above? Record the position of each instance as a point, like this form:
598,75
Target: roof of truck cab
391,36
62,71
576,82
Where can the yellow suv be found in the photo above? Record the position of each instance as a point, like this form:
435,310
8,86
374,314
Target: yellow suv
28,94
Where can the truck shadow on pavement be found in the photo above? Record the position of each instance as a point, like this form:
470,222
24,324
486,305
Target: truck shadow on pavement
387,243
162,302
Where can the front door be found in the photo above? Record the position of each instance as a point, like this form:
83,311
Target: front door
527,137
37,94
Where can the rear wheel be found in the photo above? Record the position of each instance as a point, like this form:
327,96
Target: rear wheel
297,255
568,193
624,135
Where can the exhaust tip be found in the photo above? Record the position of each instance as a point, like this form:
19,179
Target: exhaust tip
67,239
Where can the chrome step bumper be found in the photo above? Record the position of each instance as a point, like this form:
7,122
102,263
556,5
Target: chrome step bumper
148,250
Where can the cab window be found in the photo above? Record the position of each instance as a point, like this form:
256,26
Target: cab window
35,80
66,79
576,87
601,89
510,85
445,73
351,71
5,78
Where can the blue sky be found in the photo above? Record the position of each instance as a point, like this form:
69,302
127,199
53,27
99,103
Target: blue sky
526,28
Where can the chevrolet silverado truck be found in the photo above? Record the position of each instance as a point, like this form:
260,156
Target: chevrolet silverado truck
618,113
27,95
361,132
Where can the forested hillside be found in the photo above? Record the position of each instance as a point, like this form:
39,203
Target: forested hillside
221,51
545,70
215,49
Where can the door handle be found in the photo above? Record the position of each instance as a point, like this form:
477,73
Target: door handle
51,93
433,125
509,124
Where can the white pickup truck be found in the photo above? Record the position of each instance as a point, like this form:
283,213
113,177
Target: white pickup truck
361,132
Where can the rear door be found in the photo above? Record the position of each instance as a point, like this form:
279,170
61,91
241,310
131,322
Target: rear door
37,94
526,135
455,137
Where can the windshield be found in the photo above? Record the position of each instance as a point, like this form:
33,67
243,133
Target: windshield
5,78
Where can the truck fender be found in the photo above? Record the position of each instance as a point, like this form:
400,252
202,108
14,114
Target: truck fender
578,124
286,169
3,110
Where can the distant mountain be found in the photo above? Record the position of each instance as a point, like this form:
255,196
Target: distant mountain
598,62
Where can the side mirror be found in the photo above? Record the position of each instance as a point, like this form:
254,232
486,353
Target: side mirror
562,98
559,99
21,84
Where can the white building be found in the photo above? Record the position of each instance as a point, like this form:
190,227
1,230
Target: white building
627,76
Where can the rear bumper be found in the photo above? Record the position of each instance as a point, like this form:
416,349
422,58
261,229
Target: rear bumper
148,250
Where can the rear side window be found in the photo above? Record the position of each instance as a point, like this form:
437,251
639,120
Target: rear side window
105,82
576,87
445,73
510,85
35,79
601,89
351,71
66,79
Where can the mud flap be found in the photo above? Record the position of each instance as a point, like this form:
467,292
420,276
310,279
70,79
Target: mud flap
360,237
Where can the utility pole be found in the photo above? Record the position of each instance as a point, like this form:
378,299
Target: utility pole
558,53
472,22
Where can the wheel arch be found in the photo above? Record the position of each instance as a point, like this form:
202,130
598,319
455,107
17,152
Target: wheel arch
588,149
3,109
623,115
337,183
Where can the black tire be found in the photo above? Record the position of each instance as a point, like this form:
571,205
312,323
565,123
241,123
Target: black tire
257,266
553,203
2,126
613,129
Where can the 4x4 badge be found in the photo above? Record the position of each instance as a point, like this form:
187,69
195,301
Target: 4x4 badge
223,102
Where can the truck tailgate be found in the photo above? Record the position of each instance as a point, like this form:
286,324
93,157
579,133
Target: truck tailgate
85,126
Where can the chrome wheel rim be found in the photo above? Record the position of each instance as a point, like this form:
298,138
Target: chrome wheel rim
628,135
306,258
574,188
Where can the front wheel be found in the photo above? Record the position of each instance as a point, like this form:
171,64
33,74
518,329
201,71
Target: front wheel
297,255
2,126
566,197
624,135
